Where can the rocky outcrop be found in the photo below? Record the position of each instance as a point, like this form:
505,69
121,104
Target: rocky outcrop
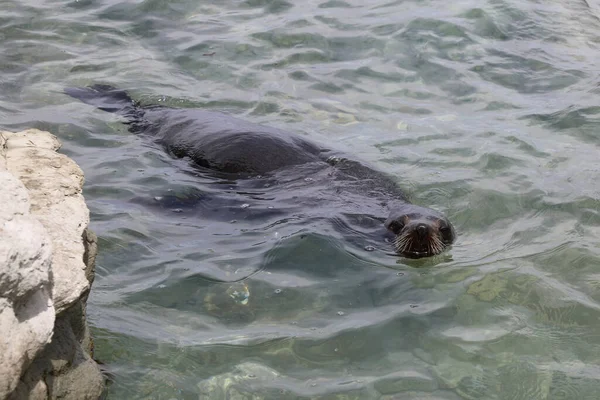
47,259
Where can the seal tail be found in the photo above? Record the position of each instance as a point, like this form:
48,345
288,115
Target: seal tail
105,97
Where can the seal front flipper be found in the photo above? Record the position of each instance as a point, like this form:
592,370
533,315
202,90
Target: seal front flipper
106,98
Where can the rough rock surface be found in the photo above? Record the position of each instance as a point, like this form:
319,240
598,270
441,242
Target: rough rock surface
47,259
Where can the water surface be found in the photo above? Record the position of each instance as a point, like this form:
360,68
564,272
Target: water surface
488,111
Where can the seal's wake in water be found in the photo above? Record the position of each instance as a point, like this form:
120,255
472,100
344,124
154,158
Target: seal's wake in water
279,171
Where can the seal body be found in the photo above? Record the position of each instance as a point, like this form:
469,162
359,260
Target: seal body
222,143
294,169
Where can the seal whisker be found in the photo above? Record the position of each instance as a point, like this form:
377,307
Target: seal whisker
438,245
434,244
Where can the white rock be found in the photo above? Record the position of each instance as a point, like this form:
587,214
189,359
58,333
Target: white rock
42,272
26,309
54,183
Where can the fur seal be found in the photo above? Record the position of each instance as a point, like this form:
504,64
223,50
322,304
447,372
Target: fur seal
293,168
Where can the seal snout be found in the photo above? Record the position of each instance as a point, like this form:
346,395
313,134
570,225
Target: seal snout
419,236
422,231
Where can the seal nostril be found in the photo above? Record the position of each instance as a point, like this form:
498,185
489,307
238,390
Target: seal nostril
422,230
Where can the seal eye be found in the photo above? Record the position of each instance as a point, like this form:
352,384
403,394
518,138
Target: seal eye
446,232
396,227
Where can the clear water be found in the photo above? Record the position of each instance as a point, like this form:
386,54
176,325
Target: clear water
486,110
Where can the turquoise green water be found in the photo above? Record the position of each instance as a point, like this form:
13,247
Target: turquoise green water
486,110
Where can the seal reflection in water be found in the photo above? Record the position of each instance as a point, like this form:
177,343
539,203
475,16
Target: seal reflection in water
296,169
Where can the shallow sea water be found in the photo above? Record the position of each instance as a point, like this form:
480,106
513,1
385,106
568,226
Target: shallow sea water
486,110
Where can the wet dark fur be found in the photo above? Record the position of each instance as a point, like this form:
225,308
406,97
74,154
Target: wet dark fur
279,172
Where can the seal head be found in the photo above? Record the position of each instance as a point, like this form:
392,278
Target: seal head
419,231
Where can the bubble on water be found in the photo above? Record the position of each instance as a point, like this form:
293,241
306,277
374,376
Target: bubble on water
400,273
277,291
161,286
340,313
369,248
177,210
239,293
158,198
308,179
245,205
414,305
